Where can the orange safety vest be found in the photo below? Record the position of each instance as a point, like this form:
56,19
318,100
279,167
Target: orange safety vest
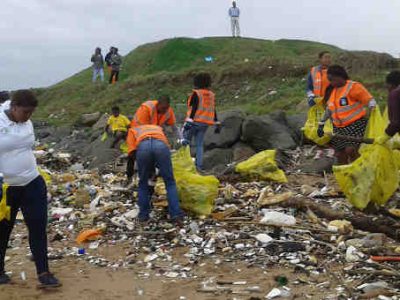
155,118
206,109
138,134
345,110
319,82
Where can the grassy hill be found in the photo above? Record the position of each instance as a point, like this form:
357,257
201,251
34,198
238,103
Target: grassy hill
245,72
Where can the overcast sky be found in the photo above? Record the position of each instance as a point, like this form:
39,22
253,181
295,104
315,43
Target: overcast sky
45,41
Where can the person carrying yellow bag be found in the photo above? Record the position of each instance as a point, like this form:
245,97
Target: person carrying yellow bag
317,85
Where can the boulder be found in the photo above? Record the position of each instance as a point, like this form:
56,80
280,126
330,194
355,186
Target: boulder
319,166
102,122
88,120
241,152
216,158
100,153
231,122
268,132
295,123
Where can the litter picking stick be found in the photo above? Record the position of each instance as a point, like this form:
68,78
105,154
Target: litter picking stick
351,138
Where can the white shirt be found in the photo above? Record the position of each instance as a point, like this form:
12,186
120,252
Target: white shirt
5,105
17,162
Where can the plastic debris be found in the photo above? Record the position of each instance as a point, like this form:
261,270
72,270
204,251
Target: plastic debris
278,293
262,166
277,219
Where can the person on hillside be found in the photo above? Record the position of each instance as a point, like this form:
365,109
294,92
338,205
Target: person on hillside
98,65
393,84
156,112
116,62
26,188
148,146
108,59
347,106
117,125
201,114
234,14
318,81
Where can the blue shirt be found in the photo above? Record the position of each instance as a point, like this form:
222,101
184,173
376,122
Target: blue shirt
234,12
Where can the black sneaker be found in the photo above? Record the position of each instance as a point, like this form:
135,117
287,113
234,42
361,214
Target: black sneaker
47,280
4,278
178,221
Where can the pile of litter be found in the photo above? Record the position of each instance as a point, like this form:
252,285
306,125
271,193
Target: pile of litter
305,226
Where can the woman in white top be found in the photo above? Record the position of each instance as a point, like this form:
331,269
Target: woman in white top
27,190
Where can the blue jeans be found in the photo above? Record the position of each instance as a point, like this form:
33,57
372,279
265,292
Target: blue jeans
197,131
152,153
97,73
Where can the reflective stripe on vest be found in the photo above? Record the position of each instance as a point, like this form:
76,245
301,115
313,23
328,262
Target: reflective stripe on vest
316,75
206,109
355,110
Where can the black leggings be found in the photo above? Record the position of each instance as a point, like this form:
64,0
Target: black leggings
114,73
32,199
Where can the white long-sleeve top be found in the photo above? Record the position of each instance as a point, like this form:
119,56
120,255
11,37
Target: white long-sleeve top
17,161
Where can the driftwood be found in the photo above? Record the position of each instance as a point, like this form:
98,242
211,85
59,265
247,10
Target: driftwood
358,220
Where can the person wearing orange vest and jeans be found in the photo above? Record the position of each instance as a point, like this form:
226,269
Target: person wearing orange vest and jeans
318,81
201,114
148,145
347,107
156,112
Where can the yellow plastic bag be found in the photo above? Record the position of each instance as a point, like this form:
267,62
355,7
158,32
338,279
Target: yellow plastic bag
46,176
262,166
104,137
315,115
371,178
5,211
124,147
376,124
197,193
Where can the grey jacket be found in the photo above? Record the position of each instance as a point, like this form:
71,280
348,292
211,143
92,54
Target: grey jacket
116,62
98,61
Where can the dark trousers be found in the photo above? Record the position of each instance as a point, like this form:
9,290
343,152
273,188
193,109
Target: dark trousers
32,200
114,73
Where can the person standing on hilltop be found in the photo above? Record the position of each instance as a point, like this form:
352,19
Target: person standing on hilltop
234,14
347,106
116,62
201,114
108,59
26,189
98,65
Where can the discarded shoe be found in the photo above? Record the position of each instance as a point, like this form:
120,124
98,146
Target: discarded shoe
4,278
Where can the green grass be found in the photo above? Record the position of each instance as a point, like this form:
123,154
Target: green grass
244,72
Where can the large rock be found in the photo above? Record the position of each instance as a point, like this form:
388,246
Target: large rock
241,152
296,122
89,120
216,158
102,122
230,133
100,153
268,132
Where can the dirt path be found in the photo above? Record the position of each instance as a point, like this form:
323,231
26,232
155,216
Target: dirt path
82,280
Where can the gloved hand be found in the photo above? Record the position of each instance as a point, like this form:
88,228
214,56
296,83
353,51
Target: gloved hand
320,131
218,127
311,101
381,140
188,124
